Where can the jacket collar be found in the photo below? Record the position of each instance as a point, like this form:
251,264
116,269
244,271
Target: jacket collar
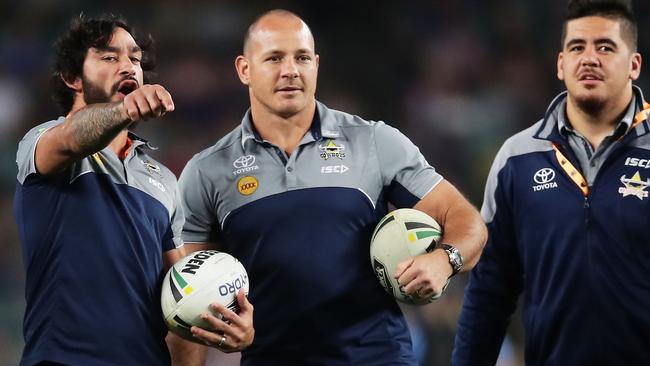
549,128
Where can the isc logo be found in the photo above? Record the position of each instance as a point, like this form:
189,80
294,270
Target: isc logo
156,184
642,163
340,169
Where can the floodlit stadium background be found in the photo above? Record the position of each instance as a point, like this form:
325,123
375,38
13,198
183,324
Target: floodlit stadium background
457,77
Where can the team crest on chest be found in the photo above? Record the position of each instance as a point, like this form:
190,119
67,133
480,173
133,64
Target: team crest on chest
331,150
634,186
151,167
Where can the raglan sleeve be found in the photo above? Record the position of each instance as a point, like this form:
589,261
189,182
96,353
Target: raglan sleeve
176,222
25,156
405,173
198,199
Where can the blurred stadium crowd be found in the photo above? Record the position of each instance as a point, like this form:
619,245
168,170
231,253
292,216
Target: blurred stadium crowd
456,76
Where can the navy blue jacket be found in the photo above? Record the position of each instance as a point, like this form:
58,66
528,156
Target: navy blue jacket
581,261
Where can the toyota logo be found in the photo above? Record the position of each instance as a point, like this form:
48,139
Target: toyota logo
544,175
244,161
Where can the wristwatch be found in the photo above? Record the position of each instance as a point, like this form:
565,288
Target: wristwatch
455,258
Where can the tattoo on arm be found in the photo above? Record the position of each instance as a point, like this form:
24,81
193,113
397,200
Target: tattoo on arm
96,125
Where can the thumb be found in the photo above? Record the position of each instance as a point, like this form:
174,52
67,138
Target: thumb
244,305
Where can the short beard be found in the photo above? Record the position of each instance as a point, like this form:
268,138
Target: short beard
94,94
591,106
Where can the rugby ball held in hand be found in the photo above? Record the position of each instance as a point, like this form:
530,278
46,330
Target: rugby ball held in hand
402,234
195,282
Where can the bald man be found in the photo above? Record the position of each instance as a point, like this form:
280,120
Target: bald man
295,192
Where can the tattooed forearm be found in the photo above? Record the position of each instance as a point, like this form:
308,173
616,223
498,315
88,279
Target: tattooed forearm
96,125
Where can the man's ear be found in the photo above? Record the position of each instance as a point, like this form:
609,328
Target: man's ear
72,83
242,66
635,66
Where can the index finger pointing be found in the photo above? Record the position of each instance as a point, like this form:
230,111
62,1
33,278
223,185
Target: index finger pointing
165,99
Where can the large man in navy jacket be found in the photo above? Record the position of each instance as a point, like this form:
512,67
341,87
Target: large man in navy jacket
567,208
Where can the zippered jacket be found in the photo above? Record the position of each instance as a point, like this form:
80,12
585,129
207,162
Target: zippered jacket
579,255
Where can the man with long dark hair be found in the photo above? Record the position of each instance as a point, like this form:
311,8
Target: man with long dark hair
567,208
99,220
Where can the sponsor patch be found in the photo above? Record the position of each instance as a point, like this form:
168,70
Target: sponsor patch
151,167
247,185
334,169
641,163
634,186
244,164
545,179
157,184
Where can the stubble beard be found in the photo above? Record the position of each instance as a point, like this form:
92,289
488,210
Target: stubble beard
591,105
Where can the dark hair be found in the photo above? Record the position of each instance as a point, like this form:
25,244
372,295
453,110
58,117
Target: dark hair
620,10
71,49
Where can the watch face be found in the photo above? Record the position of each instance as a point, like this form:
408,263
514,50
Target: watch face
455,258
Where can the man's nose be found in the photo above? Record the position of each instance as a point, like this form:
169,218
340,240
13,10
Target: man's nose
127,67
590,57
290,68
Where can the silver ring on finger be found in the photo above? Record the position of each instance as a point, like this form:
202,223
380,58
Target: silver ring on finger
223,339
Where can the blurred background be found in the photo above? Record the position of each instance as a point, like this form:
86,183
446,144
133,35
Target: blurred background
457,77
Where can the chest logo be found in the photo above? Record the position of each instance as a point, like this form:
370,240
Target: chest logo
247,185
330,169
544,179
151,167
157,184
641,163
244,164
331,150
634,186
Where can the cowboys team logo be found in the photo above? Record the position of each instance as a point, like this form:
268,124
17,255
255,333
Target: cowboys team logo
634,186
331,150
151,167
244,164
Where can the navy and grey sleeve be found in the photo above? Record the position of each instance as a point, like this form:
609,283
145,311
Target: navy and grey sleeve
25,158
198,197
405,172
177,220
496,281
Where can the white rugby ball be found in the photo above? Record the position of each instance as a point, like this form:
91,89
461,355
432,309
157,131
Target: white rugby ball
402,234
195,282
